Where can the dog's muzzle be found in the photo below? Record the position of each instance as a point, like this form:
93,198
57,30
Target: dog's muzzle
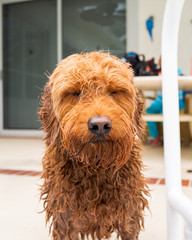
99,125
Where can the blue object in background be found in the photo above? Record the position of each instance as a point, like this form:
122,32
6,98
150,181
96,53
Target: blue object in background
180,72
149,25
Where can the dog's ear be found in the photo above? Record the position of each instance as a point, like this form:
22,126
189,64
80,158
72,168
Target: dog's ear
138,121
47,116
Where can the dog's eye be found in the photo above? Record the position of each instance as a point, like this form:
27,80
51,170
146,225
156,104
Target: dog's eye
113,93
76,94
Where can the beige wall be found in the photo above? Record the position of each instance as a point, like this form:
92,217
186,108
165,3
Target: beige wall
148,8
185,37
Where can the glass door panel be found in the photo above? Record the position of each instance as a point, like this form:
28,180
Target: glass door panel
94,25
29,52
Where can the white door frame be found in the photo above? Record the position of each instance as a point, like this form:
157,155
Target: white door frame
21,132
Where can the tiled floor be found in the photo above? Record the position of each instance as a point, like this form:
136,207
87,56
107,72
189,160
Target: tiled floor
20,166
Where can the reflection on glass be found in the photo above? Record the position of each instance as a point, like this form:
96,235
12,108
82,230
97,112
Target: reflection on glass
94,25
29,44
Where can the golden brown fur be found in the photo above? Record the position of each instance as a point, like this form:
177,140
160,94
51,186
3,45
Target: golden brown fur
92,188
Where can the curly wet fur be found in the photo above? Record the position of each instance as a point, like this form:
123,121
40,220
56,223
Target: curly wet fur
92,188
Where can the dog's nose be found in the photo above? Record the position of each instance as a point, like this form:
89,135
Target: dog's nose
99,125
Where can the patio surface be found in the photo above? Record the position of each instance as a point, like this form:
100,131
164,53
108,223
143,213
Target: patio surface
20,164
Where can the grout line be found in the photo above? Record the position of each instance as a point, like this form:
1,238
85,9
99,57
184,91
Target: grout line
20,172
150,180
158,181
162,181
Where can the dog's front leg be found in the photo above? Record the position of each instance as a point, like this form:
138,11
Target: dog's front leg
125,235
63,228
129,237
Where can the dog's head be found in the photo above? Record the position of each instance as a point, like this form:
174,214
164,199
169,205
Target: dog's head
91,107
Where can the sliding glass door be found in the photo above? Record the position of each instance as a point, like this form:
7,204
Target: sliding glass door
94,25
29,52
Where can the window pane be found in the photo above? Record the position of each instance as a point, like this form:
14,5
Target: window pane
94,25
29,44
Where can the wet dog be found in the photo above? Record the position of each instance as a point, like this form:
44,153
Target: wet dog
92,168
